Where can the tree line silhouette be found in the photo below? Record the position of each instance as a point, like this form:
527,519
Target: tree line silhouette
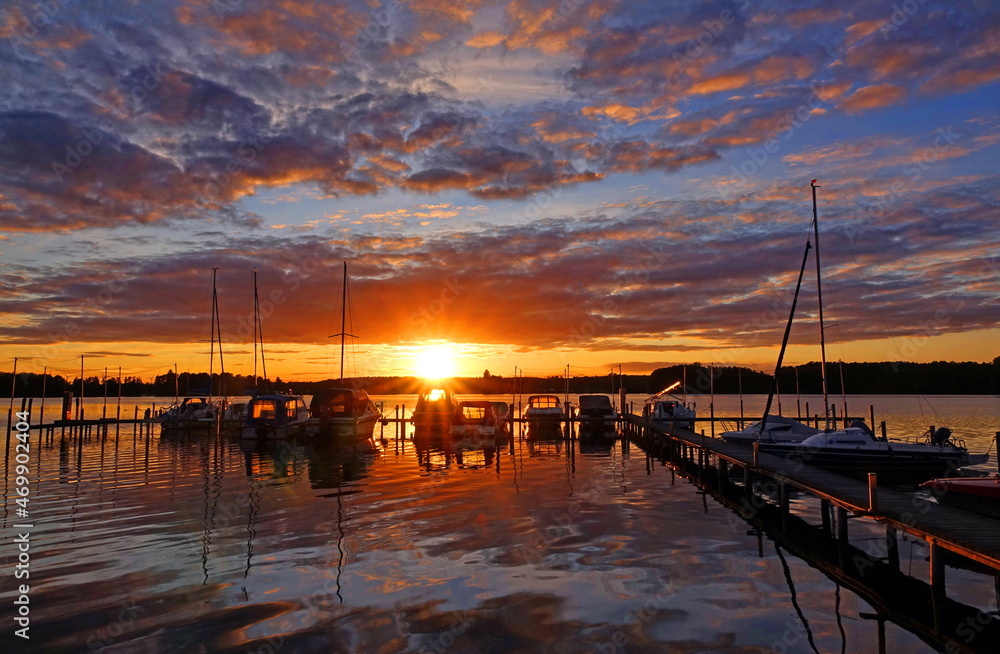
885,378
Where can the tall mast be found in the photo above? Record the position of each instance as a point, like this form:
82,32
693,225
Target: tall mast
343,320
211,350
819,293
218,333
258,331
343,323
784,342
255,329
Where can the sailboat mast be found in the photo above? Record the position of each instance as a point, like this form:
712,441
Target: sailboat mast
819,293
343,322
784,342
211,350
255,329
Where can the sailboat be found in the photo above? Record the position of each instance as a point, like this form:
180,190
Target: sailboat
854,450
342,414
270,416
198,412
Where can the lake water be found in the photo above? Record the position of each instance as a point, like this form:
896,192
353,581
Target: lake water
209,545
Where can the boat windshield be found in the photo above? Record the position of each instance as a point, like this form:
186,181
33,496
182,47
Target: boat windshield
435,395
332,403
264,409
545,402
473,412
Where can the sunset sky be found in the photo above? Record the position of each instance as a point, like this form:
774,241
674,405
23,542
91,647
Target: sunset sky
525,183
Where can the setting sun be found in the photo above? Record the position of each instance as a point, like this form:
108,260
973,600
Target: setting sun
435,361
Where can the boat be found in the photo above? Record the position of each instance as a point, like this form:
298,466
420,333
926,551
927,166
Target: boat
191,413
275,417
342,415
233,415
778,429
597,415
475,418
855,452
200,411
434,408
975,494
665,410
544,408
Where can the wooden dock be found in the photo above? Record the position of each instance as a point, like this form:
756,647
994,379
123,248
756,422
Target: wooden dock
970,535
757,486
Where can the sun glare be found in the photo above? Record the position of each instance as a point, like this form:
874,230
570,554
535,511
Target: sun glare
435,362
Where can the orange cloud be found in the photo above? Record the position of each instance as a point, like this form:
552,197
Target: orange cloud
485,40
619,112
960,80
724,82
872,97
858,31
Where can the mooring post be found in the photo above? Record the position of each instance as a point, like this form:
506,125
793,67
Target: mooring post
723,472
872,492
824,508
882,428
783,503
871,415
756,452
892,547
937,568
842,540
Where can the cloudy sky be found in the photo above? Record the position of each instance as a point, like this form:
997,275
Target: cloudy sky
530,183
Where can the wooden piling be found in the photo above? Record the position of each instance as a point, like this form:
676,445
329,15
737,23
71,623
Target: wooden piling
937,567
783,503
892,547
872,492
842,538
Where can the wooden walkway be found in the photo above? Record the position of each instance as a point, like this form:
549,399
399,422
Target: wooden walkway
973,536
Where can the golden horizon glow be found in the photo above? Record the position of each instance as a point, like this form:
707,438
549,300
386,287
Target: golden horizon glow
298,362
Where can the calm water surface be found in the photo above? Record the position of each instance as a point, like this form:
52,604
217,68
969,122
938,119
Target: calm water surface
208,545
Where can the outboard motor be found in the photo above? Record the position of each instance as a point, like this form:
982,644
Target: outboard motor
940,436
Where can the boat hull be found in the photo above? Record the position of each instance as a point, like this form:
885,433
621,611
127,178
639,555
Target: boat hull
351,429
976,495
892,468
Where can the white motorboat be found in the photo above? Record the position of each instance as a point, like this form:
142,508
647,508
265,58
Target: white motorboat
544,408
777,429
665,409
855,452
191,413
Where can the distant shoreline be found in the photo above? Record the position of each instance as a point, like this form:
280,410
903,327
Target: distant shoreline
885,378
